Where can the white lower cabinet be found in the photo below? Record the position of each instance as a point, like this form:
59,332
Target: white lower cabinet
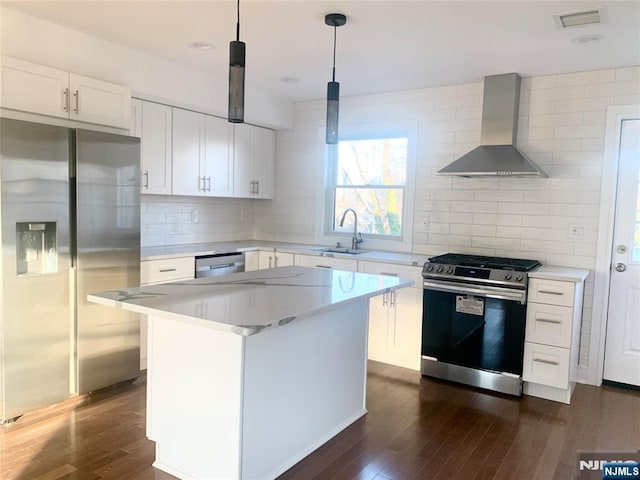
251,260
551,348
395,318
317,261
153,272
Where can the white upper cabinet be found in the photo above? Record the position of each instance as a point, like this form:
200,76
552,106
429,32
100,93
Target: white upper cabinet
254,161
217,168
202,162
48,91
155,148
263,147
188,152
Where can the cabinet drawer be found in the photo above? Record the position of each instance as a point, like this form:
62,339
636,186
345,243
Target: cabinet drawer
402,271
546,365
167,270
549,324
326,262
551,292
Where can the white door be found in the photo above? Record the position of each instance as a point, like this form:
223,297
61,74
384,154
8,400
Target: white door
218,159
622,350
155,148
243,181
95,101
187,147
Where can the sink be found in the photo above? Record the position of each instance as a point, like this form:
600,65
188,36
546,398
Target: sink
350,251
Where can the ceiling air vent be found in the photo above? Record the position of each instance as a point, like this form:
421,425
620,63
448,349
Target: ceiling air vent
595,16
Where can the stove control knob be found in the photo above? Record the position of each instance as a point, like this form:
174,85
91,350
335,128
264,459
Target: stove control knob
439,269
429,268
518,277
507,276
449,269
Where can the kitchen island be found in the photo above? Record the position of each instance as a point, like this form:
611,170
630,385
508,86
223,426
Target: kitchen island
250,372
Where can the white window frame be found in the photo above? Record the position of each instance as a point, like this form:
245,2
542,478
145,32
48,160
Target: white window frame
361,131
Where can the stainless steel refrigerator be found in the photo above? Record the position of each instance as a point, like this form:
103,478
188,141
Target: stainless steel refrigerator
70,225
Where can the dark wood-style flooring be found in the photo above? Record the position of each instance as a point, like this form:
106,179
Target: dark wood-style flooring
416,428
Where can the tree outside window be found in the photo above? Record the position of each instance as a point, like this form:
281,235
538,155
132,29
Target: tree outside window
370,176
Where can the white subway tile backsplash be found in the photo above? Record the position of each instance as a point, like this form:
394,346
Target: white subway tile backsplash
469,113
579,131
556,119
627,74
583,104
474,207
586,78
499,195
537,83
523,208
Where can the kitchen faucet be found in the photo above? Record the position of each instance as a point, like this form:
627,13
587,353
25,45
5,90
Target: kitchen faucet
357,237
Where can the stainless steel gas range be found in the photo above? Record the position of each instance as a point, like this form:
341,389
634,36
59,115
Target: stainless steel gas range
473,321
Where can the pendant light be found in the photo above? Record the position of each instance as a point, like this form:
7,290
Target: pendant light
334,20
236,76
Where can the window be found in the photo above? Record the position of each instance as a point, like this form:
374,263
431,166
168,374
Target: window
370,171
369,175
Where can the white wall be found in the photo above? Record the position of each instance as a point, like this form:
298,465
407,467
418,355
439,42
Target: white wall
148,77
562,127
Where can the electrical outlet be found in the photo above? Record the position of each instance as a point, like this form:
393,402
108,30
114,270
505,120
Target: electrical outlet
194,216
576,231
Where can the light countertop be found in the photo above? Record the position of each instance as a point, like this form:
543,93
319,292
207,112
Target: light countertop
563,274
197,249
249,302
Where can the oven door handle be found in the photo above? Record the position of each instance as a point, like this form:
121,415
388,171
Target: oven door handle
479,291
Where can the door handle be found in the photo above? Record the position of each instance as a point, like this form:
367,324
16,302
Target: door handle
75,94
66,100
620,267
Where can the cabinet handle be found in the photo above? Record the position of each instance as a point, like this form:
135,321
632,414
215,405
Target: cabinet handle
146,179
551,292
548,362
392,295
200,189
251,190
389,274
66,100
384,299
164,270
548,320
270,259
208,184
76,95
275,261
257,187
323,266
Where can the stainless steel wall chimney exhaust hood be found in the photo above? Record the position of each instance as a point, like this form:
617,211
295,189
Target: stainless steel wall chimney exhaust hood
497,154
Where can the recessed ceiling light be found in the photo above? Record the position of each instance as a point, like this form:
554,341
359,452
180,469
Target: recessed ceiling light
201,45
289,79
587,39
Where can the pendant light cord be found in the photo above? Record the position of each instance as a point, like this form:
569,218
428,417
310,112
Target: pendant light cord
238,24
335,28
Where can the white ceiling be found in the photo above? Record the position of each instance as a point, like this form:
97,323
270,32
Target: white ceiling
385,46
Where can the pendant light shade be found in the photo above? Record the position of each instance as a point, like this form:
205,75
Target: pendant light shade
333,88
237,52
333,102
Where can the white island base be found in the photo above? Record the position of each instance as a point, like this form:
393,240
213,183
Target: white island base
226,406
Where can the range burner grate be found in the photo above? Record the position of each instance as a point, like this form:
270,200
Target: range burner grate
517,264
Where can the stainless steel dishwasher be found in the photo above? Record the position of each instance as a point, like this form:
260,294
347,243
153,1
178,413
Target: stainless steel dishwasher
219,264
